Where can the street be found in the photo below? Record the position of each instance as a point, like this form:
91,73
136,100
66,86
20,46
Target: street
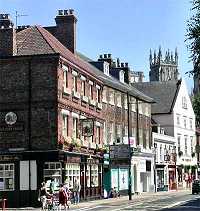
165,201
159,201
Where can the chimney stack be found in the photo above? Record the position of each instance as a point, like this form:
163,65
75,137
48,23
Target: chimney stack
66,28
7,36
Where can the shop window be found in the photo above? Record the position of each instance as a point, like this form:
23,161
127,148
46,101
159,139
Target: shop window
72,173
6,177
88,175
94,175
53,170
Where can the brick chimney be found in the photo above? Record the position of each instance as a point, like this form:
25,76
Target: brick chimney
7,36
66,28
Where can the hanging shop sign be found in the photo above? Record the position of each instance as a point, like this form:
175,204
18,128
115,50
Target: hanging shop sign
87,127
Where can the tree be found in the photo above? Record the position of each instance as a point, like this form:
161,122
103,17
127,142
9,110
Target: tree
196,107
193,36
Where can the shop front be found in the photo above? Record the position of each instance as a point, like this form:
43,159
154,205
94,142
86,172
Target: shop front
21,175
143,173
162,183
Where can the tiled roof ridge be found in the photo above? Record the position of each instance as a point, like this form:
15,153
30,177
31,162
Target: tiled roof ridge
66,53
38,27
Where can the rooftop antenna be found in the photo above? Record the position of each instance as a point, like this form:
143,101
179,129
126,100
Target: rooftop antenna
17,16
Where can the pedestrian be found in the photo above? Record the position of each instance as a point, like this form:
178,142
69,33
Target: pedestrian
76,192
51,187
43,194
63,198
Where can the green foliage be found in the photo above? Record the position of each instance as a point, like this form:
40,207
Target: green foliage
193,35
196,107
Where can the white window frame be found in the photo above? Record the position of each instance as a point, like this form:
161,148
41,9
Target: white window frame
72,173
98,135
111,97
7,173
98,95
94,175
65,79
74,127
83,87
104,96
65,122
119,100
74,78
53,170
186,146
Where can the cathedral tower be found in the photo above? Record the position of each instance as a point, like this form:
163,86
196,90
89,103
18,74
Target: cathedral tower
163,68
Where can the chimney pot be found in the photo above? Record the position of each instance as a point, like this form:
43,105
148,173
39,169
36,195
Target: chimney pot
100,56
71,11
60,12
65,12
105,56
109,55
122,64
126,64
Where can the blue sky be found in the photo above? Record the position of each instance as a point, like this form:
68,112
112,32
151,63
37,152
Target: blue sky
127,29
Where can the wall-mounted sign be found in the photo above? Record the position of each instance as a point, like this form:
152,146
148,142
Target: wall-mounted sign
11,128
9,157
10,118
87,127
120,151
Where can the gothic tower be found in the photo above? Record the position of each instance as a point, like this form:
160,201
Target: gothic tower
163,68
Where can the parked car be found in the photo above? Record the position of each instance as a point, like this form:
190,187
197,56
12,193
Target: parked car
196,187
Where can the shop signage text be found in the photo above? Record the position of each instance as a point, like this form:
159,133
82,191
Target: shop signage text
8,128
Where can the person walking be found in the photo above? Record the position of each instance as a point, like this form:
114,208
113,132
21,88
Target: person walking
51,188
63,197
43,195
76,192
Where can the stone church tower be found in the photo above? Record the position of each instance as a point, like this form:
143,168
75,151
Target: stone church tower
163,68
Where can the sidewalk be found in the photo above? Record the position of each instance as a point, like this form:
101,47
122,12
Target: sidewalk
110,200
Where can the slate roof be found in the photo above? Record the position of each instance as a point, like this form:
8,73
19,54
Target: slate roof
163,93
37,40
113,82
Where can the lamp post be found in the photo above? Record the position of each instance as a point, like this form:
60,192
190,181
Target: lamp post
129,145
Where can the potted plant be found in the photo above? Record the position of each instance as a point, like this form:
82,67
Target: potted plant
180,153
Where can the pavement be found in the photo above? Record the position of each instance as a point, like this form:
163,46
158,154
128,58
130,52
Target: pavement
143,199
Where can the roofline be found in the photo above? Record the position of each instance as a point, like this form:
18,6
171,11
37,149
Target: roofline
178,84
32,55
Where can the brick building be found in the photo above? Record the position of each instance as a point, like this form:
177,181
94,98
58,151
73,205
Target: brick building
119,125
45,93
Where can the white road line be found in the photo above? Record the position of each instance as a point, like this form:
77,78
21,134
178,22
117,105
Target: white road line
88,208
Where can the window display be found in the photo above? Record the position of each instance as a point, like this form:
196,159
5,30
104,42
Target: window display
6,177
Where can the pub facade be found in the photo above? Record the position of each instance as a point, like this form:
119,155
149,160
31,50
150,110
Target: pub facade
51,123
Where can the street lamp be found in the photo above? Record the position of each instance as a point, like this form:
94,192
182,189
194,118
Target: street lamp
129,145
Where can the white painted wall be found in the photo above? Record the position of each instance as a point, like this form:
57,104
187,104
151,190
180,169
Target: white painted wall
181,130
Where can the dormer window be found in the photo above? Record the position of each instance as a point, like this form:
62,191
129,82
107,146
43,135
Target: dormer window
121,76
106,68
